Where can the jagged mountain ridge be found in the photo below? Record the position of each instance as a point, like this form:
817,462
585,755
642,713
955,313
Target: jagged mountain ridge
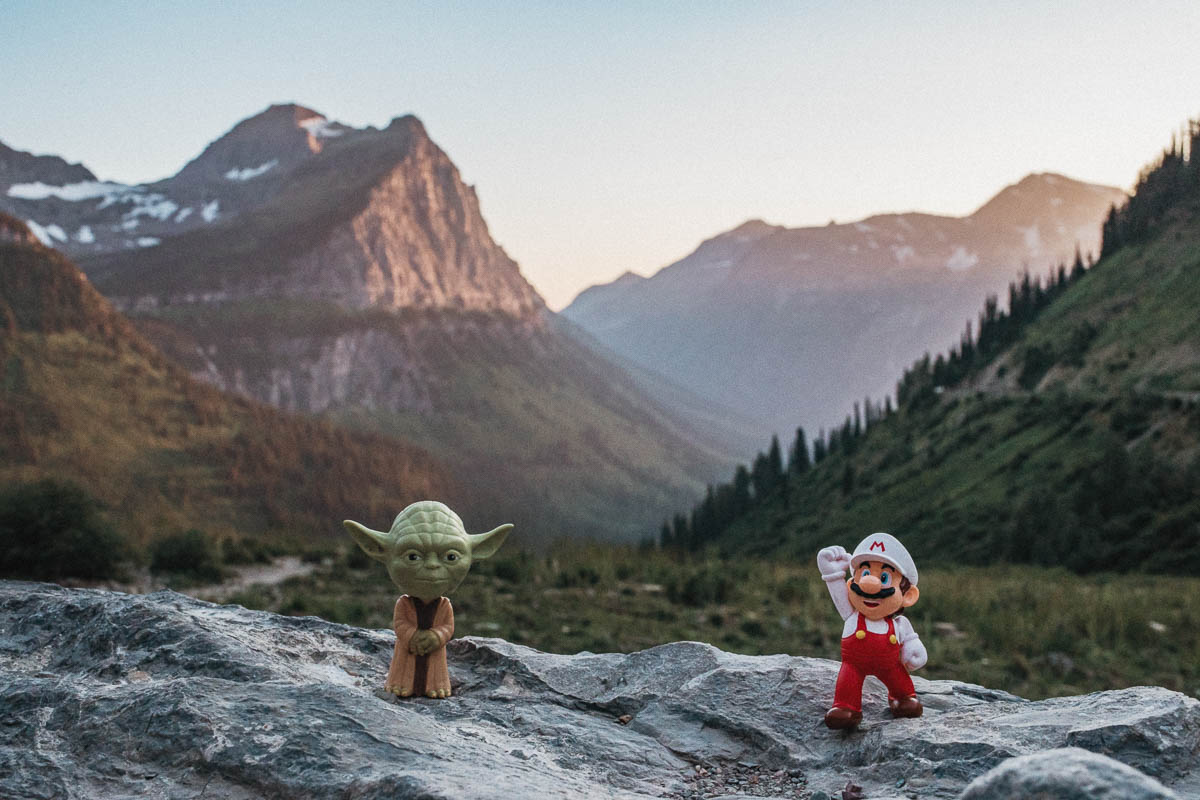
69,209
367,288
792,326
87,399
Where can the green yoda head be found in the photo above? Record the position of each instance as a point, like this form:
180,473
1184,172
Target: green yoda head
427,552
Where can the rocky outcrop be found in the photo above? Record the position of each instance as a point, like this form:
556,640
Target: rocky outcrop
1066,773
110,695
419,241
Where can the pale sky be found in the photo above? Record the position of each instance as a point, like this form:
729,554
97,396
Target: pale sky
612,136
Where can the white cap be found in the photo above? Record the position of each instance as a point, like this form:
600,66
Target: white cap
886,548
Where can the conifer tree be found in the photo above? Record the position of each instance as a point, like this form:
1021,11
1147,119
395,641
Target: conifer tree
775,474
798,461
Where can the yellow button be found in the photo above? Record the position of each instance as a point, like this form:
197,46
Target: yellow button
892,638
860,634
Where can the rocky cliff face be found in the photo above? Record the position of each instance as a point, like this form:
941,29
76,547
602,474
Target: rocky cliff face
362,218
419,241
113,695
792,326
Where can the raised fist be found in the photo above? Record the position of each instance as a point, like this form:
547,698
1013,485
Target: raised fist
833,562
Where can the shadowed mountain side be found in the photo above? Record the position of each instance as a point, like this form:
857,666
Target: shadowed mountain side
563,442
724,430
792,326
87,399
107,694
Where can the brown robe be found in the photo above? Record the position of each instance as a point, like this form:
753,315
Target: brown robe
408,670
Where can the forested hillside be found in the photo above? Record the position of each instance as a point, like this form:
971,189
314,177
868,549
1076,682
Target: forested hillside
1062,429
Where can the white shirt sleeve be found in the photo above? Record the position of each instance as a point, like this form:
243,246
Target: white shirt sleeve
837,590
904,630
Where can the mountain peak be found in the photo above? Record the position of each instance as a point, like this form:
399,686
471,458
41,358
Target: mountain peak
272,140
1040,194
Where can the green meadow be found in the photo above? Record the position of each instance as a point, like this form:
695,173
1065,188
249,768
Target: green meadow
1033,631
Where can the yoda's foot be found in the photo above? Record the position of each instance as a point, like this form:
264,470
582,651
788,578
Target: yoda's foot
438,694
398,691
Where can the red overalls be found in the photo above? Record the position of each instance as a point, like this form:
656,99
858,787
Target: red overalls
865,653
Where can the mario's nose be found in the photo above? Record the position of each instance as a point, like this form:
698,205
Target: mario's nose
870,584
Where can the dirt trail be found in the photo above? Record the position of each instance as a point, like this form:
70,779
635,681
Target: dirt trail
242,578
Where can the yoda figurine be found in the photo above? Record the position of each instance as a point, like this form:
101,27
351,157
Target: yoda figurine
427,552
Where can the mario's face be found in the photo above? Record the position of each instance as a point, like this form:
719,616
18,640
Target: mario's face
874,590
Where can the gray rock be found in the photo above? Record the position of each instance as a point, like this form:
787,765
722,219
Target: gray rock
111,695
1067,773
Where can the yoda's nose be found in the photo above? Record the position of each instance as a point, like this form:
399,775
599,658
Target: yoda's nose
870,584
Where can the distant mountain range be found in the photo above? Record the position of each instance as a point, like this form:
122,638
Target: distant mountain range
791,326
349,273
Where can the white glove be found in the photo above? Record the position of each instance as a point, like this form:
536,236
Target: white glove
912,654
833,563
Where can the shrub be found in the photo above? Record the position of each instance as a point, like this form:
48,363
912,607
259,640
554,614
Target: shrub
53,529
191,553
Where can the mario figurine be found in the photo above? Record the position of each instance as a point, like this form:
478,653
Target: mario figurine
876,639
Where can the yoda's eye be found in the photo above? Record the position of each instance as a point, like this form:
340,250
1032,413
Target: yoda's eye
452,557
885,578
413,556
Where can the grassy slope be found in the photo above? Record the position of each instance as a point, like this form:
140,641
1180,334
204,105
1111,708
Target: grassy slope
990,471
83,398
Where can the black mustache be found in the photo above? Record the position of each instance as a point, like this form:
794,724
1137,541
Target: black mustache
882,593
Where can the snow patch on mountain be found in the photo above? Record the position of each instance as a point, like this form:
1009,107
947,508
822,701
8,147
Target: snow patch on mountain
71,192
960,260
210,210
320,127
148,241
85,235
247,173
183,214
45,234
1033,238
153,205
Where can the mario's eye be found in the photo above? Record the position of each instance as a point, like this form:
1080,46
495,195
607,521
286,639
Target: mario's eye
885,578
866,572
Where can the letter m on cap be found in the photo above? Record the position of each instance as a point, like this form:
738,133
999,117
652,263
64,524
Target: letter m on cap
882,549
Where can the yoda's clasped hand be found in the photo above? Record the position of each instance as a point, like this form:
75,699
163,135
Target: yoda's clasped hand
423,643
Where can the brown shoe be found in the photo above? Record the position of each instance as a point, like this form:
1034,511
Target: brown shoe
842,718
908,707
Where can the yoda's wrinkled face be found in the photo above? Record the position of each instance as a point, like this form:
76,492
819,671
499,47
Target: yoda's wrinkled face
429,565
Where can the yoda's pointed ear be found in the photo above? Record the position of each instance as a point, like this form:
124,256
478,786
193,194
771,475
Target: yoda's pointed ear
485,545
373,543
